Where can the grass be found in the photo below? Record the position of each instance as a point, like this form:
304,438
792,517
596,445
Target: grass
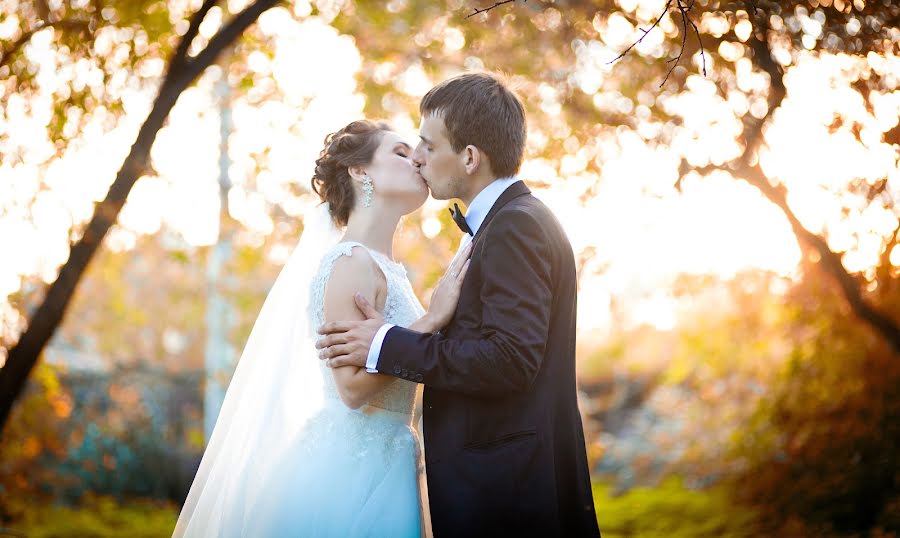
96,517
671,510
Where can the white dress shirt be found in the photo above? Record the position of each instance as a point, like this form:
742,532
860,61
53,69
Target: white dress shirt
475,215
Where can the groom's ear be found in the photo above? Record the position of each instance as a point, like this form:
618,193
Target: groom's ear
472,157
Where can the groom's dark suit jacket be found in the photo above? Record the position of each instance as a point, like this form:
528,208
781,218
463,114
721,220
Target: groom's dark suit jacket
504,445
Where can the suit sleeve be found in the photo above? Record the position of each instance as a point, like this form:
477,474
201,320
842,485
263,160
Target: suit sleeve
516,299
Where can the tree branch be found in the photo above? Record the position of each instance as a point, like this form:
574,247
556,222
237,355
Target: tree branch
496,5
44,321
231,31
645,32
677,59
180,57
747,168
684,9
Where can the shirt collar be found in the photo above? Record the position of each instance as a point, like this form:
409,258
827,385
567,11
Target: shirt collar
484,201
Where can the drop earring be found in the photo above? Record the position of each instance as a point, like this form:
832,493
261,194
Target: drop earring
368,189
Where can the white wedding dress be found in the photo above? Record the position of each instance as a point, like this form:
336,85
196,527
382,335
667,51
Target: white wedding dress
287,458
350,472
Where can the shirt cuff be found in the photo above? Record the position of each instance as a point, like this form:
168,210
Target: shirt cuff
375,348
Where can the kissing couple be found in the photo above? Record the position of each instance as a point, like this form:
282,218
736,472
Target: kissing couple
315,434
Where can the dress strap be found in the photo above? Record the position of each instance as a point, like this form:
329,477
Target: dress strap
384,263
320,280
345,248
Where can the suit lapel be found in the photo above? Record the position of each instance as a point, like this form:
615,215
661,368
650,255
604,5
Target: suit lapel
513,191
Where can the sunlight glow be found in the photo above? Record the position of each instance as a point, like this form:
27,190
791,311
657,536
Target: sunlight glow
643,234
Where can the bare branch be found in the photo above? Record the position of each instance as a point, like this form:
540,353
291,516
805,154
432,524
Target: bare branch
699,41
655,24
677,59
685,22
496,5
683,8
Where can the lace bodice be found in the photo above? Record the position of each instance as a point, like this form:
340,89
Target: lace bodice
401,308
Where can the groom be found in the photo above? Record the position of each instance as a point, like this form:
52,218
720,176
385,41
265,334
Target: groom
504,445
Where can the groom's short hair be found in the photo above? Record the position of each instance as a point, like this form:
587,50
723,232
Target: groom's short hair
478,109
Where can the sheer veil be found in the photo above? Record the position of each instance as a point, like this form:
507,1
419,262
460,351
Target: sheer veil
276,388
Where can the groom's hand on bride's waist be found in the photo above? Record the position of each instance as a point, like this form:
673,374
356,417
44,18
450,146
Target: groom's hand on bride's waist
346,343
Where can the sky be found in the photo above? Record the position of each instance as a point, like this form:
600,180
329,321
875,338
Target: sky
644,233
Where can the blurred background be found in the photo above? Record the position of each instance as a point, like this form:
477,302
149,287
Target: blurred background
730,185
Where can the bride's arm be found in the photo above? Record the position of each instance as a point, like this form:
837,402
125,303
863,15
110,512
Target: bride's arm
353,337
351,274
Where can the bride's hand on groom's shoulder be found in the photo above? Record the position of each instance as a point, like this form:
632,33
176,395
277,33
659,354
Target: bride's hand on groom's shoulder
445,296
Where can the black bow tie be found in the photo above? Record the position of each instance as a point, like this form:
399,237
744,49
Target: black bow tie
460,219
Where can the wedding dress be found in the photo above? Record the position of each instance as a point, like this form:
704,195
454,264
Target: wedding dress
352,472
287,457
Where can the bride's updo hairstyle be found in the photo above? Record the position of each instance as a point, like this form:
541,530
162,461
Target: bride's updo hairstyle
354,145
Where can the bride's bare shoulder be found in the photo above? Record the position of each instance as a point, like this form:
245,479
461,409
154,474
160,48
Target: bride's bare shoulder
355,272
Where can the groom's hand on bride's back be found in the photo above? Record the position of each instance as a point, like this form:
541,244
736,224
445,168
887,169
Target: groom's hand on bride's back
346,343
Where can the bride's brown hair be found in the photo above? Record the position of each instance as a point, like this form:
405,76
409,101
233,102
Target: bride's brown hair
354,145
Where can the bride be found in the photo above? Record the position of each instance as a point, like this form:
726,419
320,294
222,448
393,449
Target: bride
300,449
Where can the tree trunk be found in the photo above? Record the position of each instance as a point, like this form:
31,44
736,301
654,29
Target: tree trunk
46,318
